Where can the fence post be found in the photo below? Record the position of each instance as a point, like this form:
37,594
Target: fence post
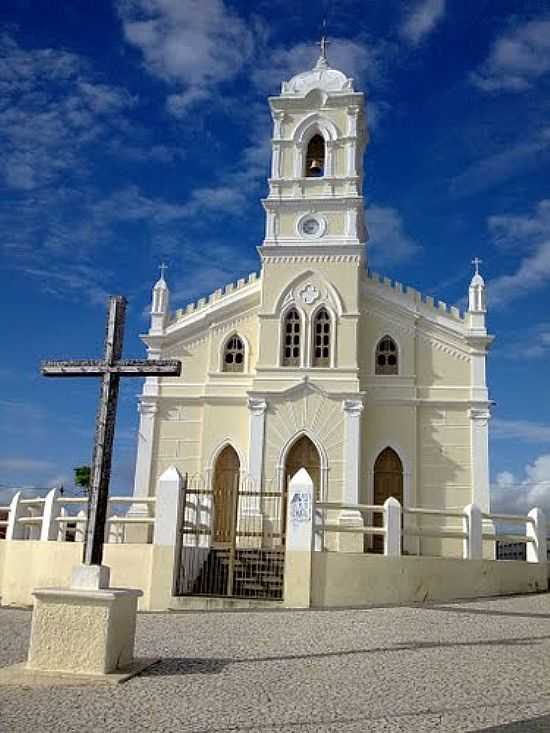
472,545
298,541
392,525
536,550
15,530
81,520
168,507
48,528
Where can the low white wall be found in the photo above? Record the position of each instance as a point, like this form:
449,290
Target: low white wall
359,580
31,564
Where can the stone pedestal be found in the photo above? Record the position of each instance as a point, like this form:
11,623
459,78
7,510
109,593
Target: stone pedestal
83,631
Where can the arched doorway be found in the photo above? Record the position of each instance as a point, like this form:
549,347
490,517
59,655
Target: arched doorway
388,481
304,454
225,491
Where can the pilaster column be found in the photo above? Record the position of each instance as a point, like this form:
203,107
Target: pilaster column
278,119
349,518
353,112
299,161
147,412
276,161
270,225
257,408
351,158
353,410
331,149
479,419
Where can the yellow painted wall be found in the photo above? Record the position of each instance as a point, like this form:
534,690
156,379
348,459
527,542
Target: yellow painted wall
341,579
32,564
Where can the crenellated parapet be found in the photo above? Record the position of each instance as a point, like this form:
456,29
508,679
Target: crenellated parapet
415,298
215,297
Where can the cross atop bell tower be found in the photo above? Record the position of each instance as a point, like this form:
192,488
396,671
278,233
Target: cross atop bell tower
323,43
316,184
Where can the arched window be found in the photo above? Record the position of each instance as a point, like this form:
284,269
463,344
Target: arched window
321,339
292,338
315,157
386,356
233,355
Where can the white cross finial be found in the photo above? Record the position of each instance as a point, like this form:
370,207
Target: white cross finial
162,268
323,44
476,262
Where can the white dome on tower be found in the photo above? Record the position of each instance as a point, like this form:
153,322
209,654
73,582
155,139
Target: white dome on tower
322,77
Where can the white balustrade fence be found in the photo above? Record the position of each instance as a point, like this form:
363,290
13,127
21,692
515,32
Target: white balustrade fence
471,533
55,517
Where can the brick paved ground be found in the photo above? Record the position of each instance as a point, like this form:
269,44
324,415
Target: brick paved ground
472,666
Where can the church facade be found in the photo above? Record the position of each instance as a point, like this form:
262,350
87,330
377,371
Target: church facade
316,362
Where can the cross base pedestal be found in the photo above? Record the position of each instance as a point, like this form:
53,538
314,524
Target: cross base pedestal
87,630
83,631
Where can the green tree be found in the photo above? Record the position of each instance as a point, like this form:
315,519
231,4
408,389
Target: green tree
82,476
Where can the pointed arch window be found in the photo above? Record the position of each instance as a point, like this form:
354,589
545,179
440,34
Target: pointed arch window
292,338
321,339
315,157
233,354
387,359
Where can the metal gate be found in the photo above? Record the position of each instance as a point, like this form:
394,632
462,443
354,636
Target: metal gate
231,540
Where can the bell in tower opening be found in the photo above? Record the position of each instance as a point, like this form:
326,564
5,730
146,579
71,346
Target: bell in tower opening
315,158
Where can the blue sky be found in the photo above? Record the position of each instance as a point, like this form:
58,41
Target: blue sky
137,131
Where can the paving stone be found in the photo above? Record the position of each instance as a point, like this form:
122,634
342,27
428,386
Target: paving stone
456,667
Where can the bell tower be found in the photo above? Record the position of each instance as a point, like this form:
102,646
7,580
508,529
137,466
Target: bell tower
313,253
315,196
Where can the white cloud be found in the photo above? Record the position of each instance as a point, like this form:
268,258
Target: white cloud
29,465
517,59
422,20
531,233
533,273
531,344
195,44
513,495
388,241
522,430
50,109
498,167
509,231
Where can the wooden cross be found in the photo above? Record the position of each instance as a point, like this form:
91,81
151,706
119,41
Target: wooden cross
162,269
111,368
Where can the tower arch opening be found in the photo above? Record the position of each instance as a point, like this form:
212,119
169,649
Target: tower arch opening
315,157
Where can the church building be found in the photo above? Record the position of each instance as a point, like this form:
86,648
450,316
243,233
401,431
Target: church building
315,361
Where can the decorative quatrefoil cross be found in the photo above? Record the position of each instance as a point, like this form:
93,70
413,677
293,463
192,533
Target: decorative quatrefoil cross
309,294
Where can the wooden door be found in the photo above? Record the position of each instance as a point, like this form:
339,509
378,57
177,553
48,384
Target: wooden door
388,481
225,488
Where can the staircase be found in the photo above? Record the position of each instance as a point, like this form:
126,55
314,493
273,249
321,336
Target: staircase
256,574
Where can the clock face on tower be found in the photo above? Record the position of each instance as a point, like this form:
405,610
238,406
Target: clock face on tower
311,226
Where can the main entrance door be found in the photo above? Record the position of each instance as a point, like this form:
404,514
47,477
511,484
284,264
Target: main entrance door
232,538
388,481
